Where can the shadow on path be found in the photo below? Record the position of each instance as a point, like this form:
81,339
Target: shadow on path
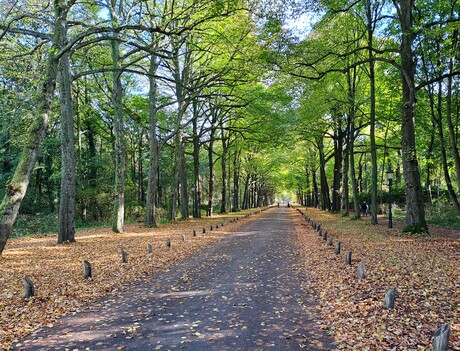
243,293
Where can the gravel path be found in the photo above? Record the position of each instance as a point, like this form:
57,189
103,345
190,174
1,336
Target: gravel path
243,293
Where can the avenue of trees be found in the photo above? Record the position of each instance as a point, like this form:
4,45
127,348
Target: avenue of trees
162,110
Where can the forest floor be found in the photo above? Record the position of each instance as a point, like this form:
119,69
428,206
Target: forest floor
58,275
424,270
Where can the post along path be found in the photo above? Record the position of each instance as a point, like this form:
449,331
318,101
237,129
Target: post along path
242,293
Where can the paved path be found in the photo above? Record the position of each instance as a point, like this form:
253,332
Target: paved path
242,293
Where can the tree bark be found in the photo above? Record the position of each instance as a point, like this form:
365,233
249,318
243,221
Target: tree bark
325,197
118,124
415,210
16,189
196,164
373,151
151,219
68,182
223,206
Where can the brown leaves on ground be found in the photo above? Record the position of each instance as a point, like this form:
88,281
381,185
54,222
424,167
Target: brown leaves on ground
425,272
58,275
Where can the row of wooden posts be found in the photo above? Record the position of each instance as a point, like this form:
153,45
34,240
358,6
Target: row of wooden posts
29,288
442,335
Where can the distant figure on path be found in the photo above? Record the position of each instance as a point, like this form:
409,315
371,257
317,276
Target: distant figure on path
364,208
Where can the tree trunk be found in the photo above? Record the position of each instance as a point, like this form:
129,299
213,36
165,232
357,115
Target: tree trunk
450,124
151,217
223,206
68,182
374,170
236,182
415,210
120,158
445,166
183,178
16,189
211,168
196,165
325,197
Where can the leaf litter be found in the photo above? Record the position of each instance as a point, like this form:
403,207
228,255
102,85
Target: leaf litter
58,275
424,270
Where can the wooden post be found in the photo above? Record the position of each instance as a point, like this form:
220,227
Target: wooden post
204,230
331,241
325,235
348,257
87,269
183,237
210,228
149,248
389,300
441,338
124,255
338,247
194,232
29,289
217,226
168,243
361,270
320,232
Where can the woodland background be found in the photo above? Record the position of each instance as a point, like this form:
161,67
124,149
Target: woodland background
151,111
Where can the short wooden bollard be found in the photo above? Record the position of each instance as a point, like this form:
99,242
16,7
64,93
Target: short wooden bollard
330,241
87,269
29,289
210,228
441,338
182,237
204,230
194,232
320,232
325,235
361,272
168,243
389,299
217,226
338,246
124,255
149,248
348,257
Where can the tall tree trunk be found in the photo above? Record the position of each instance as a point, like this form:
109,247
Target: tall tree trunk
120,158
223,206
17,187
338,162
415,210
246,192
450,123
183,178
373,151
196,165
325,197
68,182
151,217
445,167
236,181
211,168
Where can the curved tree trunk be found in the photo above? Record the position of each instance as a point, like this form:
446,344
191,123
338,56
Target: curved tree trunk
16,189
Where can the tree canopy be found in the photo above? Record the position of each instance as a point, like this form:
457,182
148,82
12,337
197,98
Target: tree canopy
159,110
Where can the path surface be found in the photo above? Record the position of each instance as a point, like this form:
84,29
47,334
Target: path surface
242,293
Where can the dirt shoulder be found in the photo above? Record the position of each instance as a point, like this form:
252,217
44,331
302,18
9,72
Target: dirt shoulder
425,272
